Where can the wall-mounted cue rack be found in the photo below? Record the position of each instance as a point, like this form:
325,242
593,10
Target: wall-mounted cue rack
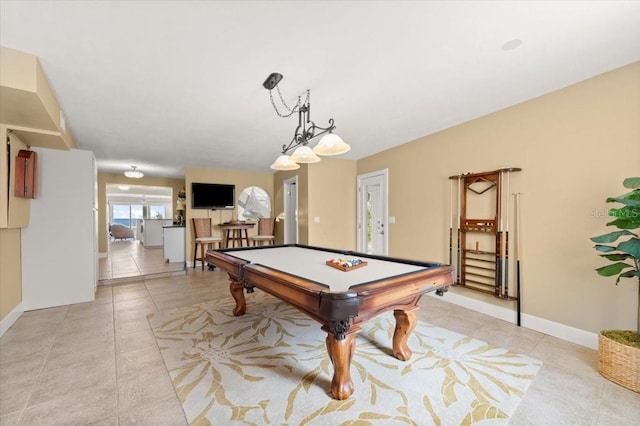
479,219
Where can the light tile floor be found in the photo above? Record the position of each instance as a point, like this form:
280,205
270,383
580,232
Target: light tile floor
97,363
129,258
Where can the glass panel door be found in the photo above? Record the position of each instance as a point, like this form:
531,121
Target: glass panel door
126,214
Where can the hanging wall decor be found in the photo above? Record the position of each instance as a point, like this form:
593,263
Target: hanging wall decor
26,174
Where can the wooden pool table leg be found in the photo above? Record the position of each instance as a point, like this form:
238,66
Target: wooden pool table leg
405,323
237,292
341,353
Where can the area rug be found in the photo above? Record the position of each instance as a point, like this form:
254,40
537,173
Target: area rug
271,366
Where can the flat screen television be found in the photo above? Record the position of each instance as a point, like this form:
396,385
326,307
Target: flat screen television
213,196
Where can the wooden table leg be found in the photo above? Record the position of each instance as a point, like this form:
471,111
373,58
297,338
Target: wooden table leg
341,353
237,292
405,323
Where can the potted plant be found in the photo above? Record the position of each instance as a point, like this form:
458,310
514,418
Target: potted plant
619,350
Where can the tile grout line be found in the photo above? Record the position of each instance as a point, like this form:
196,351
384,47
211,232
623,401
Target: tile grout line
37,377
533,348
603,390
115,357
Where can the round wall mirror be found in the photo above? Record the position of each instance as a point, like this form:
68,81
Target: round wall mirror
253,203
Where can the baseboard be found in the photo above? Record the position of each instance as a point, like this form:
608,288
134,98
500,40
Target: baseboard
555,329
103,255
561,331
11,318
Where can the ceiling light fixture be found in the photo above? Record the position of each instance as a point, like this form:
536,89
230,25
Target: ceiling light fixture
329,144
133,173
512,44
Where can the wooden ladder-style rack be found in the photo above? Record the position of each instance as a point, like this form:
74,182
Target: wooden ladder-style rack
482,246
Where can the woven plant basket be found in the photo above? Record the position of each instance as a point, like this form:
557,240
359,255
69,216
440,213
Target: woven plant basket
619,363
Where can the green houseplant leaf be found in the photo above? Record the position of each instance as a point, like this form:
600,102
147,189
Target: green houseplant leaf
631,182
616,256
613,269
626,217
604,249
631,247
611,237
630,274
629,201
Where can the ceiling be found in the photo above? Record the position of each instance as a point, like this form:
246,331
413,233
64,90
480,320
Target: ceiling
165,85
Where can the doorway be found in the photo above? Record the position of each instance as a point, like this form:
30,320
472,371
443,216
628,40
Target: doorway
136,252
372,211
290,187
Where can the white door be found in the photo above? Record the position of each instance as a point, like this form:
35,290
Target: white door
373,213
291,210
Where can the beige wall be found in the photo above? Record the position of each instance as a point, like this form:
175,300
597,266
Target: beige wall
10,271
14,214
332,199
575,147
240,179
27,103
14,211
106,178
326,190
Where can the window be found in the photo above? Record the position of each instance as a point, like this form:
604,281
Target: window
157,211
126,214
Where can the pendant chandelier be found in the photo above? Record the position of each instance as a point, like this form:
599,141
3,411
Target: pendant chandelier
329,144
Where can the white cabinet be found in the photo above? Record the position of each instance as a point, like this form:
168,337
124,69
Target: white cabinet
60,244
174,243
151,235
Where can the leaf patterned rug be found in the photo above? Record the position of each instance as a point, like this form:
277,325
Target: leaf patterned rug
271,366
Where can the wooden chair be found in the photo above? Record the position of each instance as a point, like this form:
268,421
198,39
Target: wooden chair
265,232
202,237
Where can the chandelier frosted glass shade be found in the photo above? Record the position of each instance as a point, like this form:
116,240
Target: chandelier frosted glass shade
331,144
133,173
304,154
284,163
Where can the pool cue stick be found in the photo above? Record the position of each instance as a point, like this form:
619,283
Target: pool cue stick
498,286
506,245
450,221
459,231
518,252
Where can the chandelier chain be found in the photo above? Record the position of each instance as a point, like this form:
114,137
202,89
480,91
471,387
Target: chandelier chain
293,110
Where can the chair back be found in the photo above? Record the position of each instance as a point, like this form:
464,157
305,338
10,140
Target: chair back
266,225
201,227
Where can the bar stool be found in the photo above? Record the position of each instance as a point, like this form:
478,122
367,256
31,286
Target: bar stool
265,232
202,237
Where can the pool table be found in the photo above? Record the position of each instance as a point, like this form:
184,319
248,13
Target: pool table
339,300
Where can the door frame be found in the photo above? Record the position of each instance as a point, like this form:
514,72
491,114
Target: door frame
361,236
290,211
